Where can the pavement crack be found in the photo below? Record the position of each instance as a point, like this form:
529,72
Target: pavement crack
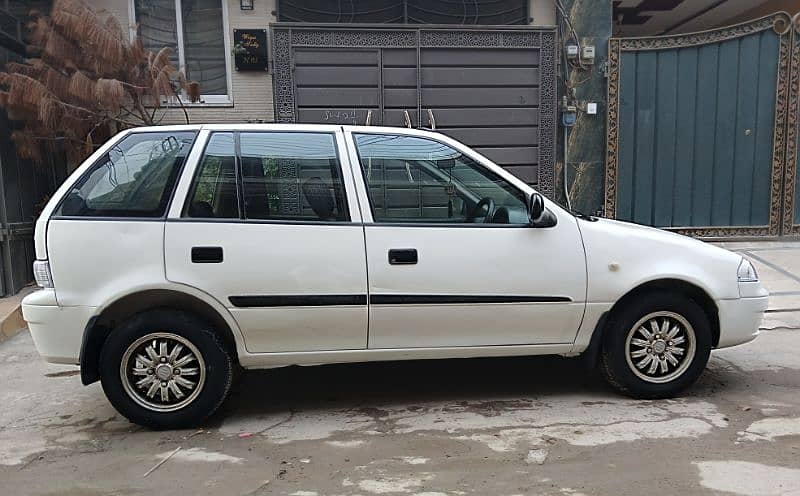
280,423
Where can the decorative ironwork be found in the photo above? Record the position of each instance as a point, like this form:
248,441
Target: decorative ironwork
779,163
404,12
705,37
545,183
353,38
282,79
790,226
287,36
612,130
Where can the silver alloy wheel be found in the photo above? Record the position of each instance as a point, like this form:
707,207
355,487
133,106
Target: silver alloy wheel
660,347
162,371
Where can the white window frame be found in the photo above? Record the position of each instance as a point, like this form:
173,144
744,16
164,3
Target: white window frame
205,100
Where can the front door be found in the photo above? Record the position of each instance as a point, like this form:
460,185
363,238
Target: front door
267,230
452,261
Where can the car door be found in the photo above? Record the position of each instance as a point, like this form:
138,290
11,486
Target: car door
452,260
267,229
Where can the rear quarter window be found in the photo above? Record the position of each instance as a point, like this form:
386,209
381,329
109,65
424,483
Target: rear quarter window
134,179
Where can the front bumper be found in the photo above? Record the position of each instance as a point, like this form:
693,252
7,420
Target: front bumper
739,319
57,331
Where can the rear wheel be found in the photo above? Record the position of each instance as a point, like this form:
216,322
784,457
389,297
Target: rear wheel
165,369
656,346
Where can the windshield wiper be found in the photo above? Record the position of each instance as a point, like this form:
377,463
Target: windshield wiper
580,215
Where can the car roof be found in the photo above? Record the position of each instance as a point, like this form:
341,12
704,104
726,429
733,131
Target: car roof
287,127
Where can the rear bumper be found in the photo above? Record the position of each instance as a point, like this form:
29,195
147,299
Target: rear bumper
57,331
740,319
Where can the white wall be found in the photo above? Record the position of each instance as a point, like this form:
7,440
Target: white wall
543,12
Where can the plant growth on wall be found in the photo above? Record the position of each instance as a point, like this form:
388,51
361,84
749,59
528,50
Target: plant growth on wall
84,82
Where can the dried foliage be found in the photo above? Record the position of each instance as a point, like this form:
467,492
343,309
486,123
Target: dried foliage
84,82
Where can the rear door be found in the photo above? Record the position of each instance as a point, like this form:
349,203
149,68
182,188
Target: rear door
267,229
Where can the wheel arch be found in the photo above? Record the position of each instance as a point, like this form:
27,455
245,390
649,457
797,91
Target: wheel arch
680,286
125,306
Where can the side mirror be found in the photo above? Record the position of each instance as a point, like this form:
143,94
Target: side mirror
538,215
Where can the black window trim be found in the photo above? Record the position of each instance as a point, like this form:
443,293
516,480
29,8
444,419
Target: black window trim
375,222
92,168
240,184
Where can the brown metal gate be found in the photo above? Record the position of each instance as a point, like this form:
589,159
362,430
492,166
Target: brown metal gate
494,89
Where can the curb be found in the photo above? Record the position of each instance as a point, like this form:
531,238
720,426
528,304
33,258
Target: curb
12,324
11,321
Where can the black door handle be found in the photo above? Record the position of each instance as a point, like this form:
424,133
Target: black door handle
403,257
206,254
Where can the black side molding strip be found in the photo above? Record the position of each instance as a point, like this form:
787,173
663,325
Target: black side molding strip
400,299
387,299
298,300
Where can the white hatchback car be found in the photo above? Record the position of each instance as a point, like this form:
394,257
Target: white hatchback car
175,253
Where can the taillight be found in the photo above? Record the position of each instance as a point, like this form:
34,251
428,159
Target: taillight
41,272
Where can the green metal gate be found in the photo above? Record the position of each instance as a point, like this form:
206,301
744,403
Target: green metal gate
698,129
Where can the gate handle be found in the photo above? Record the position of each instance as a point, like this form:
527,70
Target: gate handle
406,119
431,120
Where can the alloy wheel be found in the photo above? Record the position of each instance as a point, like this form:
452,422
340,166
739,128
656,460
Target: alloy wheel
162,371
660,347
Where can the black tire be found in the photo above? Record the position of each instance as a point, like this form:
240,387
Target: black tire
614,359
212,389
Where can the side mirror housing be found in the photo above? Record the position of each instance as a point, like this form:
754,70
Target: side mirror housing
538,215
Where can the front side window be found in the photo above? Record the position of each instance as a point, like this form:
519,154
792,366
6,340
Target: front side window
420,180
194,30
134,179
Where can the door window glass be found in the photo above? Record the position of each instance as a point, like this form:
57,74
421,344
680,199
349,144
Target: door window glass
421,180
292,176
214,194
134,179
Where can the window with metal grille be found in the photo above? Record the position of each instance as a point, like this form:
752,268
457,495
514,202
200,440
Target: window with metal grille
465,12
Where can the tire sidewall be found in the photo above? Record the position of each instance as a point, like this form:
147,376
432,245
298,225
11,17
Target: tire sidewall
614,345
218,365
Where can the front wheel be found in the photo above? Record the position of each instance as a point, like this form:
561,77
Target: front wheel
165,369
656,346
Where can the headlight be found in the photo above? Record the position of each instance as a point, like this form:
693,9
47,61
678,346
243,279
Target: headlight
746,272
41,272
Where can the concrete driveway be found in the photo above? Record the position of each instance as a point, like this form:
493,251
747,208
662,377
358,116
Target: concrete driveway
490,427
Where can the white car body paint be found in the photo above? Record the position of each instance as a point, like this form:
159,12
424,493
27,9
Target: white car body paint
587,265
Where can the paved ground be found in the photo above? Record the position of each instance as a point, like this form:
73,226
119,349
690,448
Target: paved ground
490,427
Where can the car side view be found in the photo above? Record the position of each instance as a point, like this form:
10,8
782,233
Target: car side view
174,254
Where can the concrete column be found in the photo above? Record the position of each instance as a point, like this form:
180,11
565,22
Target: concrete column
592,20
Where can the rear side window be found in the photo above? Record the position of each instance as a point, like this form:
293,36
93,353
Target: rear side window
281,176
292,176
134,179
